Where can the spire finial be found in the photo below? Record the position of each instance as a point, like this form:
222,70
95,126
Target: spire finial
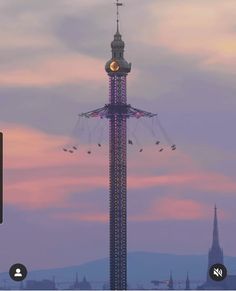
118,4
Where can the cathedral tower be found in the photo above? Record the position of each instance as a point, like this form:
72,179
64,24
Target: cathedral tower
215,255
187,283
171,282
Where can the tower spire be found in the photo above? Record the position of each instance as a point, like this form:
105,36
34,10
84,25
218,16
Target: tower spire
215,241
171,283
118,4
117,62
187,284
215,255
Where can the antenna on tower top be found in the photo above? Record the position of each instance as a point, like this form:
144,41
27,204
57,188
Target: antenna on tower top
118,4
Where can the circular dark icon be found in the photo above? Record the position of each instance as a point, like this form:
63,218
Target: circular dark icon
18,272
218,272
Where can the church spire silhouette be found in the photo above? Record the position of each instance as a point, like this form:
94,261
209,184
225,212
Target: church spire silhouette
187,284
171,282
215,255
215,241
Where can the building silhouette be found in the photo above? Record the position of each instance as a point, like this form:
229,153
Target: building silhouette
21,285
75,285
83,285
40,285
187,284
171,282
216,256
230,282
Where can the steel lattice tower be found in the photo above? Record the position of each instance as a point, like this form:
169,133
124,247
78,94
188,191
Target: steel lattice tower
118,111
117,70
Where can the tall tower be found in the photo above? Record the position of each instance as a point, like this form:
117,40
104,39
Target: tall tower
117,69
187,283
171,282
215,255
117,111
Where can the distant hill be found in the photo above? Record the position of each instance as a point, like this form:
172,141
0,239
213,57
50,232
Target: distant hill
143,267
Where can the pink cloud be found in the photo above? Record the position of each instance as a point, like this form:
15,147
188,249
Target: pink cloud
200,181
55,70
87,217
40,175
47,192
26,148
194,28
171,208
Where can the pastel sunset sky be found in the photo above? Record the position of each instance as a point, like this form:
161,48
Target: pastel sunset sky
52,57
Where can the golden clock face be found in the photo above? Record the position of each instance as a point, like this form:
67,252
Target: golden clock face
114,66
